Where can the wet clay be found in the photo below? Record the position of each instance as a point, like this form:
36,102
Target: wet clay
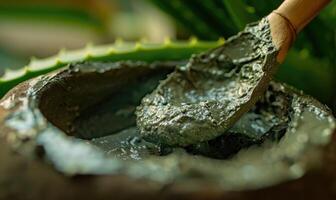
267,121
199,101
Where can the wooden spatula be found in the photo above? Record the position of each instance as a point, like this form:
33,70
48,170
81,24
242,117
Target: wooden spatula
201,100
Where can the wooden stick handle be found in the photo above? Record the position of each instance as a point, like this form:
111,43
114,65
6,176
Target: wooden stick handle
301,12
289,19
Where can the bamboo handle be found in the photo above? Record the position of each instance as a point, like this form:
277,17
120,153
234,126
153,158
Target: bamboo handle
301,12
289,19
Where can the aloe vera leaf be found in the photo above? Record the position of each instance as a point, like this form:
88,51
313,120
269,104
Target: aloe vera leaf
225,25
115,52
187,18
180,19
209,13
238,12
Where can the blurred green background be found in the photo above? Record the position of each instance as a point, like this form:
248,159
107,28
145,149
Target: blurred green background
40,28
